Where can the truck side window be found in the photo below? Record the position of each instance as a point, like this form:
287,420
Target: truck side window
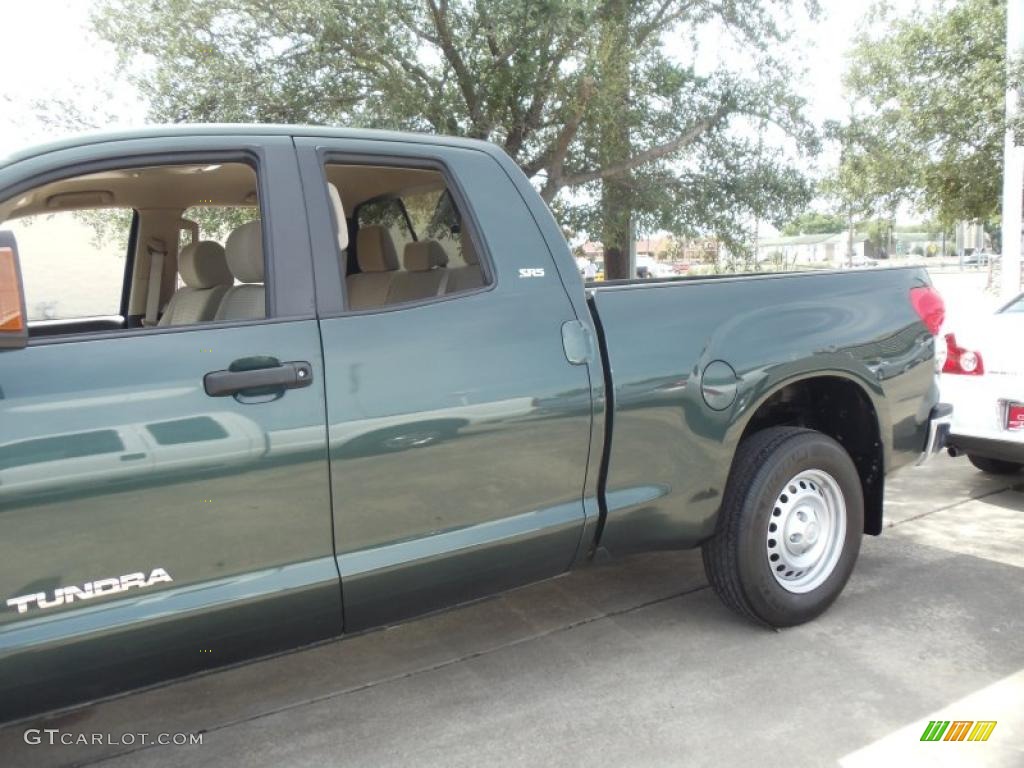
389,213
411,242
73,262
92,245
214,224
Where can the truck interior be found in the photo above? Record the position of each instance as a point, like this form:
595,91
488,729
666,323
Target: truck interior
408,240
176,245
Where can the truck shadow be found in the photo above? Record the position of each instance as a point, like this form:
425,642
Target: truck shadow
210,701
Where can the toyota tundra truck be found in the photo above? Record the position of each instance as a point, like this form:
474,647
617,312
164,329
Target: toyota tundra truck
262,386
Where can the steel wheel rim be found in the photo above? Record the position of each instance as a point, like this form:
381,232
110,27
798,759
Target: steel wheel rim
806,530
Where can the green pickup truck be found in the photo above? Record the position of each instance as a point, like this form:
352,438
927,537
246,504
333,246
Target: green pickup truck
262,386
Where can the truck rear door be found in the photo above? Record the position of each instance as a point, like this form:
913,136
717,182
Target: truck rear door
459,431
155,520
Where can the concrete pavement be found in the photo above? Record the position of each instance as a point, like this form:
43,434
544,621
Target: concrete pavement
636,663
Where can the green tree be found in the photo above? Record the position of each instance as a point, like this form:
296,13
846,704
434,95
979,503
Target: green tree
815,224
928,95
580,93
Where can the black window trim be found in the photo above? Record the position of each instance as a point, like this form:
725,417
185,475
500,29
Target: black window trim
326,155
163,158
129,264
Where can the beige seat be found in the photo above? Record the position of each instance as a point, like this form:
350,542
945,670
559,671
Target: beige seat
244,253
425,274
205,272
378,260
340,223
468,277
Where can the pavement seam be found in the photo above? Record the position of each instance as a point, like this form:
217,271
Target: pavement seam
1012,487
404,675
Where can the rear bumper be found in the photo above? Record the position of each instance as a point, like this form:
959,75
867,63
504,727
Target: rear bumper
1003,450
938,431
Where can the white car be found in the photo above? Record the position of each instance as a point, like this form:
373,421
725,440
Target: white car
983,377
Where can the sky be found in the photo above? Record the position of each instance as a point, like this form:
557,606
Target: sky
53,54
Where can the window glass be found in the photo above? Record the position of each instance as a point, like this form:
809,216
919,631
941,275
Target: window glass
434,217
73,237
72,262
419,253
217,222
387,213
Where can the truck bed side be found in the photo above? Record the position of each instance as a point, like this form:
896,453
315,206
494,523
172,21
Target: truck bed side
696,364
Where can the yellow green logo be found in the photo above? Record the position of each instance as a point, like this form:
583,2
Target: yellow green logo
958,730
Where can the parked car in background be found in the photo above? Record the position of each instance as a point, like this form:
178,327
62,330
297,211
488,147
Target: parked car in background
648,266
983,378
979,259
860,261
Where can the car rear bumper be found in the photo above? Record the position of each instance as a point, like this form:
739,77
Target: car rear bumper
1003,450
980,404
938,431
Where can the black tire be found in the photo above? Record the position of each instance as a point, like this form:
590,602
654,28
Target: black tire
736,559
994,466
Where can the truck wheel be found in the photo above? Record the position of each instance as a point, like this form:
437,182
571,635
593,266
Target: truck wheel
789,528
993,466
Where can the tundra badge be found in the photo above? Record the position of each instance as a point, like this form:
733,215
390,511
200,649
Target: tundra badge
89,590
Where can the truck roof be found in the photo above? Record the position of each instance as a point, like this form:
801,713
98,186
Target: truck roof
241,129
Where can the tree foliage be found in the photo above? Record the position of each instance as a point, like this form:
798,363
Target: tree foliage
577,92
929,100
815,224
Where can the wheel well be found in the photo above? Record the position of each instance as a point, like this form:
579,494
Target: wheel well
842,410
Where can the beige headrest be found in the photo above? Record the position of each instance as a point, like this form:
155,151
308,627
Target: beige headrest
468,251
424,255
339,216
375,250
244,252
202,265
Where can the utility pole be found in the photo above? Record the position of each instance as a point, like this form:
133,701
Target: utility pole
1013,161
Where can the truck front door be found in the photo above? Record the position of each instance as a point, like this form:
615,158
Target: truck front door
164,496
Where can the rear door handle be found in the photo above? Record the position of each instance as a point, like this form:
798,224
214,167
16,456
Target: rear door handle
277,377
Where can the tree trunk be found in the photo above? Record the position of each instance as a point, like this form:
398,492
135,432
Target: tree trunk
614,89
615,202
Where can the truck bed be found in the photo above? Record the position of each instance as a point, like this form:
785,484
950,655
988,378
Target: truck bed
670,455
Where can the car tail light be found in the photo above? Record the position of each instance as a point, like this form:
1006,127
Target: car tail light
965,362
930,307
1015,416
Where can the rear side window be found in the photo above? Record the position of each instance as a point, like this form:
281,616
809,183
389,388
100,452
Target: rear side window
434,215
412,243
216,222
389,213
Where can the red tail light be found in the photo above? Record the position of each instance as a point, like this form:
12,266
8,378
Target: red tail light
962,361
929,307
